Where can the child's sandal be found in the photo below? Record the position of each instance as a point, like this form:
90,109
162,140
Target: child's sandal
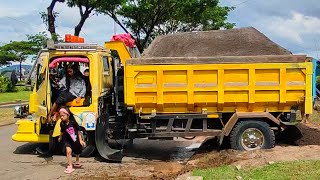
77,165
69,170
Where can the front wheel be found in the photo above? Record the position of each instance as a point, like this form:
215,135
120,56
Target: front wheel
88,137
252,135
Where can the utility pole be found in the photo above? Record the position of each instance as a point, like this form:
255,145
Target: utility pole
20,62
20,70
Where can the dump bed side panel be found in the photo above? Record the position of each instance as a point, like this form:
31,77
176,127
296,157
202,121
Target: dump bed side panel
274,87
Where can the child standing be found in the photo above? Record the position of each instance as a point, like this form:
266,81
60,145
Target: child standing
73,140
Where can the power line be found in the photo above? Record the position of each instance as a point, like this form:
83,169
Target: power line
19,21
36,26
31,25
243,2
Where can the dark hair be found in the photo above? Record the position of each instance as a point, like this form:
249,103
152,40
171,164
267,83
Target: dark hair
76,73
87,70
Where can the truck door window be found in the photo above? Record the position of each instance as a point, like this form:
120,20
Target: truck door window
40,75
105,63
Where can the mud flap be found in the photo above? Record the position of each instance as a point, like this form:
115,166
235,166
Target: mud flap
102,140
290,133
50,149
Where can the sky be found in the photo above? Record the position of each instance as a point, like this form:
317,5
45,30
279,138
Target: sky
293,24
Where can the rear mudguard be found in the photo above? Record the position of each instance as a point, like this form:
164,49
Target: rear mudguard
291,133
102,140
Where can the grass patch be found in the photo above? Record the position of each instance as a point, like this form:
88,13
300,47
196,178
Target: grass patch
315,117
284,170
23,88
12,96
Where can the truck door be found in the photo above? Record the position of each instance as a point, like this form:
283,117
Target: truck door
42,92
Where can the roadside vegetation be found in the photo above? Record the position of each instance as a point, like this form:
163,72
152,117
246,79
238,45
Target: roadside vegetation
14,96
283,170
12,93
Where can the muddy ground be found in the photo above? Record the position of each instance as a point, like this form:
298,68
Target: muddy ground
148,159
209,155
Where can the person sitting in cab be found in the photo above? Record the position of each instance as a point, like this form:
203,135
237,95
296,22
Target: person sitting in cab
72,87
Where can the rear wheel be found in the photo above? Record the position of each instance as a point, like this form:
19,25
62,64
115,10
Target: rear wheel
252,135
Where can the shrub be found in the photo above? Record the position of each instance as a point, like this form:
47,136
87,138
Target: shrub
318,82
6,85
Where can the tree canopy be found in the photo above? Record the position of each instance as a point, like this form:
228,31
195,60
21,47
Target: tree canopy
86,8
20,50
146,19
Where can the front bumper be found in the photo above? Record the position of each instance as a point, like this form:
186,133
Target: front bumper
26,133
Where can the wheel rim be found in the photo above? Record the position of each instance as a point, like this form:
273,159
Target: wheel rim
252,139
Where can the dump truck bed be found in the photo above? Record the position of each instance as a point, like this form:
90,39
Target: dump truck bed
218,84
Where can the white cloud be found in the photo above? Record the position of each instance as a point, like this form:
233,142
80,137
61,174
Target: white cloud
295,28
293,24
17,8
16,22
11,12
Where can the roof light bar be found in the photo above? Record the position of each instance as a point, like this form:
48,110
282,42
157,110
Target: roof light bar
75,46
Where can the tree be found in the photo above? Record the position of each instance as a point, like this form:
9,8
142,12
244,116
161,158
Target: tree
38,40
50,19
6,57
21,50
111,8
149,18
86,7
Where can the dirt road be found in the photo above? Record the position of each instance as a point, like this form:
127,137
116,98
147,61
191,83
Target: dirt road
149,159
146,159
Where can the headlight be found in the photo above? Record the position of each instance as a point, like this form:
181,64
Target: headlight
17,111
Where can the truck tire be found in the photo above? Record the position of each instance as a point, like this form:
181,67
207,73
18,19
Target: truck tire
53,141
89,140
50,148
252,135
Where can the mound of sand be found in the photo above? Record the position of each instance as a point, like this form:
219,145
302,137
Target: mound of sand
234,42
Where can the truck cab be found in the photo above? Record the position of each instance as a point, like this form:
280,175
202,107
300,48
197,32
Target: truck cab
50,67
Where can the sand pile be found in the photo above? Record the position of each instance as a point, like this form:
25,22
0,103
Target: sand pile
234,42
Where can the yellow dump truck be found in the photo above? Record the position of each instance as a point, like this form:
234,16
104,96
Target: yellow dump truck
247,101
219,96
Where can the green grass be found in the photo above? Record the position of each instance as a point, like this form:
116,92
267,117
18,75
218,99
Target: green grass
315,117
13,96
285,170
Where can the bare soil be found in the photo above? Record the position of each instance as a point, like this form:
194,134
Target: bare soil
209,155
307,148
234,42
151,159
